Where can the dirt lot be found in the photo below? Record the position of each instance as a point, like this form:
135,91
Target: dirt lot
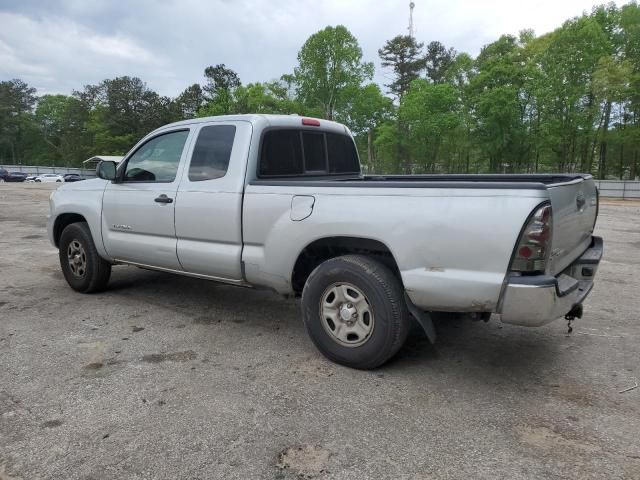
169,377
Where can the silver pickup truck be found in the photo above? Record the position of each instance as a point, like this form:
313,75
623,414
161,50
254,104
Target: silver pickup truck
280,202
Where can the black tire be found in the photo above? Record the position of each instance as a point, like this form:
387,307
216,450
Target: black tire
384,297
94,275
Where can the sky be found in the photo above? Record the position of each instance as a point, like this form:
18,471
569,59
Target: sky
60,46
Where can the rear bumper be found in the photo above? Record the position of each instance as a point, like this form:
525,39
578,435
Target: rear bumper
536,300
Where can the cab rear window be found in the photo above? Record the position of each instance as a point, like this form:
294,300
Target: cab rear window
294,152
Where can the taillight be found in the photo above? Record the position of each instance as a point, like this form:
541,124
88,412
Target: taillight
311,122
534,244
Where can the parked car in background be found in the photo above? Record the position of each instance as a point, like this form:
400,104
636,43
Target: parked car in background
72,177
49,177
12,176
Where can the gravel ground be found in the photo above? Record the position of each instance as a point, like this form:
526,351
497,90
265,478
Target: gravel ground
170,377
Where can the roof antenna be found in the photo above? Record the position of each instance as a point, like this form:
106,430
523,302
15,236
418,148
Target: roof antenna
411,7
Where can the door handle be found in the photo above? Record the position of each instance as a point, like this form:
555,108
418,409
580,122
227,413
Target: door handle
163,199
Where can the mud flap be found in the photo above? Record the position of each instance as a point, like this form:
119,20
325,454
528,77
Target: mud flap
423,318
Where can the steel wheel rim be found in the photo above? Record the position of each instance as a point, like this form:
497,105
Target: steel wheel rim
346,315
77,258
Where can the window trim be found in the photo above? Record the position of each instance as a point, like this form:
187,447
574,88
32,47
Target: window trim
122,167
312,173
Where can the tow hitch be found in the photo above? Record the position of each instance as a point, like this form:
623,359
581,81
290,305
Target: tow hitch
575,312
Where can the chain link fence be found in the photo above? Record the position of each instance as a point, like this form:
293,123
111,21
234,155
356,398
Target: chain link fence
626,189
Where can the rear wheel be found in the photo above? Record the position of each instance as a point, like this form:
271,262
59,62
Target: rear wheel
84,270
354,311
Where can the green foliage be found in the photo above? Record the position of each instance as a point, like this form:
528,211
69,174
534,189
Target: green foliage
405,58
438,60
16,104
329,66
432,136
568,100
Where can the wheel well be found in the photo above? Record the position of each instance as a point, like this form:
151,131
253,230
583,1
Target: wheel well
317,252
62,221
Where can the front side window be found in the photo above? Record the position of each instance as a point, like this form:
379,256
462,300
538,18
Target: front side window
158,159
212,152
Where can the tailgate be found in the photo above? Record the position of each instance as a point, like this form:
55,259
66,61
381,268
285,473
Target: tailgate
574,207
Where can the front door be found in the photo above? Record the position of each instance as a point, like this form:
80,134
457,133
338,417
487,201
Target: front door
138,211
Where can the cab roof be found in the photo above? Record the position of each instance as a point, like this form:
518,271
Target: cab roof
263,120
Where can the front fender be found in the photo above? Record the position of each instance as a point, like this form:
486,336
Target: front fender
84,200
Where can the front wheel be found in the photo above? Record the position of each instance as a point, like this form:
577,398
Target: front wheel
354,311
84,270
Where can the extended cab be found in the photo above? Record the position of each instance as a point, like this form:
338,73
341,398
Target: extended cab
280,202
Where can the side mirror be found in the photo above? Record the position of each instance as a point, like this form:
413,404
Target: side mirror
106,170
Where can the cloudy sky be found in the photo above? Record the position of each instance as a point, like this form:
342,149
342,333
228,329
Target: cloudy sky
58,46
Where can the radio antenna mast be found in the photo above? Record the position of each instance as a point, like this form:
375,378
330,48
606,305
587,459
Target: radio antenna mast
411,7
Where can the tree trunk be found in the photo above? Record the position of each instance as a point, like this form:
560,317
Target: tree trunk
603,140
370,168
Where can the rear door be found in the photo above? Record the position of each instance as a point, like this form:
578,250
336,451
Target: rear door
138,211
209,207
574,207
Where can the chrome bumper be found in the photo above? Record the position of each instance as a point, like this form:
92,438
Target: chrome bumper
536,300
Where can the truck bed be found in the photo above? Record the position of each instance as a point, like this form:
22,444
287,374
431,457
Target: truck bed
494,181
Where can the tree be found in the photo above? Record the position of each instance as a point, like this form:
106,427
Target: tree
404,56
187,104
268,97
16,104
630,49
62,122
430,134
568,100
438,60
500,103
329,65
121,111
219,89
568,107
366,109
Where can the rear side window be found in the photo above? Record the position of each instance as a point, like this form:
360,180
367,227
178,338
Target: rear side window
212,152
292,152
343,157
